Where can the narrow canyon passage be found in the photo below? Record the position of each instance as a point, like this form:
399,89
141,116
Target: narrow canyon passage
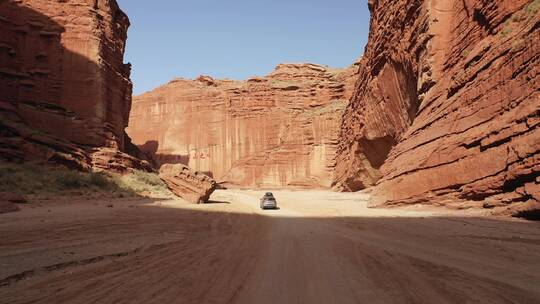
320,247
432,107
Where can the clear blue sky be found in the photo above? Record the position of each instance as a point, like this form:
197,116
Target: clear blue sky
239,38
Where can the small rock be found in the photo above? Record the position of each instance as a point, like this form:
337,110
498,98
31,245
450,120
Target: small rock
13,197
488,205
110,206
6,207
77,193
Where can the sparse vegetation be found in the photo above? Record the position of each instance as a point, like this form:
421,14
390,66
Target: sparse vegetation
507,28
532,8
518,44
506,31
527,12
29,178
328,108
142,183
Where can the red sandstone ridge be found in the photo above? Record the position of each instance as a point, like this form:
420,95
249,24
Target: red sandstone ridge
447,105
65,93
274,131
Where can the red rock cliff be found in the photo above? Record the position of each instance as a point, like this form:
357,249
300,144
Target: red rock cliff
447,104
274,131
65,92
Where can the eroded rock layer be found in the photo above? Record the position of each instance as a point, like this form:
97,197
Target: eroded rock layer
274,131
447,105
65,93
193,186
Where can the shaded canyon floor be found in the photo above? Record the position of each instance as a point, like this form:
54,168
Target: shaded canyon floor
319,247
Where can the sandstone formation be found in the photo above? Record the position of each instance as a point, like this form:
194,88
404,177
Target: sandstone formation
275,131
447,104
194,187
65,93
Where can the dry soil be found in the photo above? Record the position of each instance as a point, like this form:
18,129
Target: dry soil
319,247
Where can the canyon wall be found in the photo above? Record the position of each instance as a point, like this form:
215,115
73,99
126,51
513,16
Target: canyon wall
65,93
447,104
275,131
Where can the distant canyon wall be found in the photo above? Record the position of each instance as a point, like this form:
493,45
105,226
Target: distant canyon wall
447,104
270,132
65,92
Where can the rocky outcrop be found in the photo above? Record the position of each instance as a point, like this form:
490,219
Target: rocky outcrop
65,92
7,207
9,201
13,198
275,131
447,104
192,186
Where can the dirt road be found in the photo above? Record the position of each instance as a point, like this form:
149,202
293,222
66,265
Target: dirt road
320,247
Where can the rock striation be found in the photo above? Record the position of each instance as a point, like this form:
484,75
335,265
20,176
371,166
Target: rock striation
275,131
192,186
65,93
447,105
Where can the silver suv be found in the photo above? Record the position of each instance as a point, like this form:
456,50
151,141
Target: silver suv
268,201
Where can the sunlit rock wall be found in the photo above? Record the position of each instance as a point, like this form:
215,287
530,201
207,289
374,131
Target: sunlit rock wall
447,104
274,131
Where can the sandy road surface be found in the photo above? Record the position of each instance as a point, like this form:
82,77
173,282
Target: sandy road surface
320,247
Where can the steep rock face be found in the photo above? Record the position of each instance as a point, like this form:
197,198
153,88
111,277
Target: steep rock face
447,105
65,92
274,131
193,186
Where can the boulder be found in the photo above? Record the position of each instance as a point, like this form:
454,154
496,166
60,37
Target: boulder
13,198
6,207
190,185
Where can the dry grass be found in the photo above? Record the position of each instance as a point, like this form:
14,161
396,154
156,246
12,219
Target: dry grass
143,183
532,8
29,178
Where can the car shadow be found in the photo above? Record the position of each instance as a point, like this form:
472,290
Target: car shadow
211,202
